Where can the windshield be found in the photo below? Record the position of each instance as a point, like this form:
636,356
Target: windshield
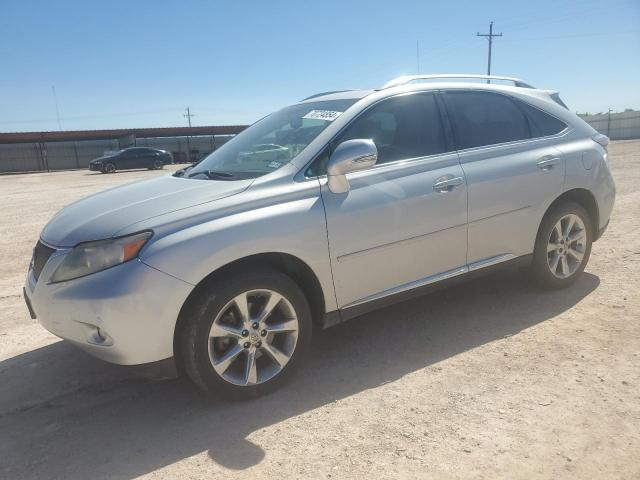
269,143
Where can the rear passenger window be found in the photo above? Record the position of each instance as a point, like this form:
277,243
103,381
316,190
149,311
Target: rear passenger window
482,118
542,124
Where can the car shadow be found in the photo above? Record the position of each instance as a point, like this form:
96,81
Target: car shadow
128,170
66,415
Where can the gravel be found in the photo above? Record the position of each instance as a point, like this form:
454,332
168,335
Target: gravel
489,379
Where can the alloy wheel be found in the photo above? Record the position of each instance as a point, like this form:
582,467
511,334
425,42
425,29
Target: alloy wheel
566,246
253,337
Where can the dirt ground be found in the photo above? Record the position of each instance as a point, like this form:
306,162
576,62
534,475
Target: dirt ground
489,379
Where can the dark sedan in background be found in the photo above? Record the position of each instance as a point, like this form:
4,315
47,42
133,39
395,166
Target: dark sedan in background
130,158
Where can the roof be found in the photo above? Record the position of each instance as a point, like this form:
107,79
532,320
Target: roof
78,135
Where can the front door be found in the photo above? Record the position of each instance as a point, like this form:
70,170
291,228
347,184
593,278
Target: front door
404,222
128,159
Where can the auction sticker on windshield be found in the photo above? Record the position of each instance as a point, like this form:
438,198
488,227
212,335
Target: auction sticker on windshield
328,115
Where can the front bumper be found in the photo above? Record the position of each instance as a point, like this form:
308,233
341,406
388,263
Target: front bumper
601,231
96,167
125,314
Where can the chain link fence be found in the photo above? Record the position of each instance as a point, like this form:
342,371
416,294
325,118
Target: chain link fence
48,156
616,126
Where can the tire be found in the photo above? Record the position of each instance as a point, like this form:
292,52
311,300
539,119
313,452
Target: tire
576,253
200,344
109,168
158,165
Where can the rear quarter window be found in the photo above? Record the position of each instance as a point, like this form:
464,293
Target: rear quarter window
542,124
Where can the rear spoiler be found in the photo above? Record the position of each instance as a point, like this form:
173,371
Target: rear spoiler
603,140
555,96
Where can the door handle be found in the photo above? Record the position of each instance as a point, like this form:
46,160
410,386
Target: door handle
547,163
445,185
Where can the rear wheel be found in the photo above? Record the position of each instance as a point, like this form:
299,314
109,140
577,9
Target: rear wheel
563,246
243,337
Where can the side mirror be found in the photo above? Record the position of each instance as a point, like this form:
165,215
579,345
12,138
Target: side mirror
349,156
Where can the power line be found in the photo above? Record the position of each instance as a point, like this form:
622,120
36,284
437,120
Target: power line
489,36
89,117
577,35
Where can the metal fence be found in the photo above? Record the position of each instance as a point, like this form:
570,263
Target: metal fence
616,126
46,156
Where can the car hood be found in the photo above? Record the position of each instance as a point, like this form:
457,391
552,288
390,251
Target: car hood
101,159
103,214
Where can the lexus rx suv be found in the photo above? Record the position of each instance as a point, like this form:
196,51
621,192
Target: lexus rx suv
225,266
130,158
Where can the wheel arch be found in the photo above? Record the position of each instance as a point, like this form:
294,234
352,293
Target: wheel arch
285,263
584,198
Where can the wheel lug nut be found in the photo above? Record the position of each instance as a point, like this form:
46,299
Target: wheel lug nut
246,345
263,333
255,325
245,333
259,344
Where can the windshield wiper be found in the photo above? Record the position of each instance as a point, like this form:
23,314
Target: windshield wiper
214,175
182,171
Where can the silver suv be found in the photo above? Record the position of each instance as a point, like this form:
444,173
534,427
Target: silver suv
226,265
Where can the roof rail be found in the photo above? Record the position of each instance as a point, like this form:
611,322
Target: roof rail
325,93
412,78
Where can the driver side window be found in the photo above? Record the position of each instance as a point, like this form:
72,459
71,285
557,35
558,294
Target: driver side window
402,127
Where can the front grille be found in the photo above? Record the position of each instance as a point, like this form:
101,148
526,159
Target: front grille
41,254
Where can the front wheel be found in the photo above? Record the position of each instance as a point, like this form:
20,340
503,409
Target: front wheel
241,338
563,246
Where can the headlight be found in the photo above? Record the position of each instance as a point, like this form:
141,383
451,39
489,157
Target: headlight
91,257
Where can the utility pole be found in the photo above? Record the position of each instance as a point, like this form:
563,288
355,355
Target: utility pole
55,99
489,36
189,115
609,122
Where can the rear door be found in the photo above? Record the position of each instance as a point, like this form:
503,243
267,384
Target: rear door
512,176
403,222
148,157
128,159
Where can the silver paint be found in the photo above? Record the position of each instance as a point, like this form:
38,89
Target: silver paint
400,225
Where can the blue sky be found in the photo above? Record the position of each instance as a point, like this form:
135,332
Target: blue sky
119,64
